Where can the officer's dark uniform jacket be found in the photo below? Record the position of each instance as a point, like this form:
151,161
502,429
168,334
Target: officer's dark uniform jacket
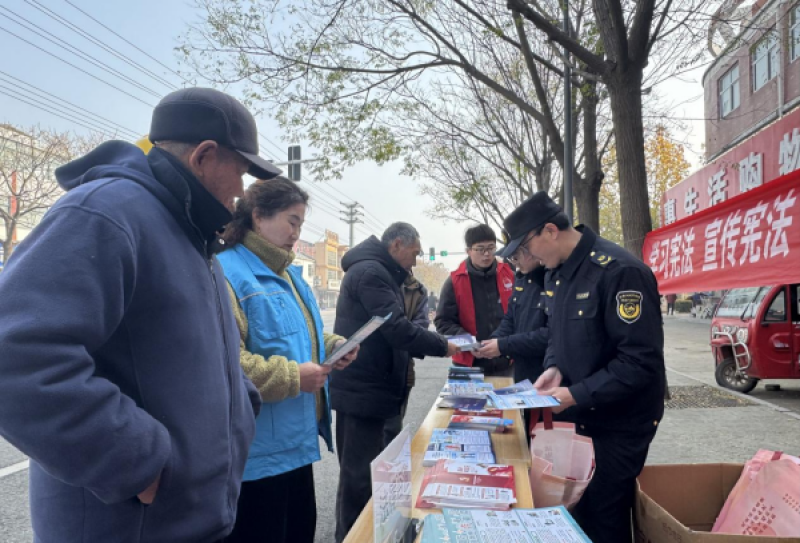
523,334
606,336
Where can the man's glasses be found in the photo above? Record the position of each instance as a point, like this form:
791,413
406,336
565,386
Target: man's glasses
522,250
485,250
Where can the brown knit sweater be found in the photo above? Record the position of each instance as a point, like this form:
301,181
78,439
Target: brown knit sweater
276,377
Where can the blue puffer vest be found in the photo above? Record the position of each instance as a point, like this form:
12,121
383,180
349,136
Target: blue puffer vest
286,431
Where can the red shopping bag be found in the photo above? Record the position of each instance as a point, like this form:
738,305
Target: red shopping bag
562,462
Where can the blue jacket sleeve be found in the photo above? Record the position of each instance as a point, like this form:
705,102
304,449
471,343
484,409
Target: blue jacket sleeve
421,316
64,293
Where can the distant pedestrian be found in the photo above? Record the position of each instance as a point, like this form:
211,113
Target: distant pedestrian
697,302
671,299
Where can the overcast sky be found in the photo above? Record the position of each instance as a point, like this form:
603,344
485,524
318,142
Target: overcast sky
153,26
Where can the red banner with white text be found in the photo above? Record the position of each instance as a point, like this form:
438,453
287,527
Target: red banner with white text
750,240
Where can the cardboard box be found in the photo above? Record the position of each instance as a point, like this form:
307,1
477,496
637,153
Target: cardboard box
678,503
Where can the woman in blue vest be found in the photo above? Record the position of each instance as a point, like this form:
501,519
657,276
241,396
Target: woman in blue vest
281,349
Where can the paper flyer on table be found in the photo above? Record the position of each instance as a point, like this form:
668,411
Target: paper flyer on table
545,525
520,396
363,333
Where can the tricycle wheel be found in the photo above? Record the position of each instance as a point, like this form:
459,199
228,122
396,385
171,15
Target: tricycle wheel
726,376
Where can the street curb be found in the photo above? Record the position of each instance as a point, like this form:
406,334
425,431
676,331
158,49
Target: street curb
764,403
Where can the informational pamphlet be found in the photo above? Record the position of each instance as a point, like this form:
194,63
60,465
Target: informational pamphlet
545,525
492,424
462,402
522,395
465,342
467,388
466,437
363,333
462,485
391,490
472,446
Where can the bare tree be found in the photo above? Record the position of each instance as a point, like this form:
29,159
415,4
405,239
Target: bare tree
28,188
628,32
380,80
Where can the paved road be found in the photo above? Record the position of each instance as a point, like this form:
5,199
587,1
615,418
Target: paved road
687,351
685,435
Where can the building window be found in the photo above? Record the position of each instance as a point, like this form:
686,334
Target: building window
794,33
331,259
765,59
332,275
729,91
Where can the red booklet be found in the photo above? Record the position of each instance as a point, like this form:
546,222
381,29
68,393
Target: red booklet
496,413
462,485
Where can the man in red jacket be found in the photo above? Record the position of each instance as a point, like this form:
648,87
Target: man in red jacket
475,297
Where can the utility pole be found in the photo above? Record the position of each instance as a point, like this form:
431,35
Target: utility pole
568,150
351,215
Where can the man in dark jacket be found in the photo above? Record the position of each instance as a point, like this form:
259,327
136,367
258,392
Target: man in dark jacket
120,371
475,297
522,335
371,389
605,359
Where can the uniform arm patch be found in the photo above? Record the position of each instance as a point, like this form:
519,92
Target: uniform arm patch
629,305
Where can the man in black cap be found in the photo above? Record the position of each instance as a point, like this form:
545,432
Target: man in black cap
120,372
605,359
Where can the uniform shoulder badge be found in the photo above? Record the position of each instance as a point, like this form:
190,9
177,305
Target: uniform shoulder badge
629,305
601,258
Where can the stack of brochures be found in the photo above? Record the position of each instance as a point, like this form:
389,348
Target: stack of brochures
467,422
467,388
464,373
521,395
469,403
550,524
471,446
464,485
479,412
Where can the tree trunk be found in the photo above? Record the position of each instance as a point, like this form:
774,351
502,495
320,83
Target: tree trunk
587,188
8,246
625,94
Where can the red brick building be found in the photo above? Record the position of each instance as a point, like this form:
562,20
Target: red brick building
752,126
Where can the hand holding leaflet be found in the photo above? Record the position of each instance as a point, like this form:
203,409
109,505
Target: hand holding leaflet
363,333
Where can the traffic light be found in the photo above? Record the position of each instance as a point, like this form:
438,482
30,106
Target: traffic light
432,254
294,163
443,253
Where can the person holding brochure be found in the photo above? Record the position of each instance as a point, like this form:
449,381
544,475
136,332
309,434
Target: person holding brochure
282,346
605,358
371,390
475,297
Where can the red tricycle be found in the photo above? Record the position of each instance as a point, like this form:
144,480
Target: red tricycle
755,334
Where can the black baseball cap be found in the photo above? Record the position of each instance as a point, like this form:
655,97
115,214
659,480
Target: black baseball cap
198,114
529,215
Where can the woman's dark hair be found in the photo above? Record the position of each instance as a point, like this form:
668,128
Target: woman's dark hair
266,198
479,233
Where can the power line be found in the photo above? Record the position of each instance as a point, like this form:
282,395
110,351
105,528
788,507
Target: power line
128,42
78,52
70,119
76,67
10,79
64,22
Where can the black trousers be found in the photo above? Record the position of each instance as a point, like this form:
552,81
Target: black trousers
278,509
358,441
604,511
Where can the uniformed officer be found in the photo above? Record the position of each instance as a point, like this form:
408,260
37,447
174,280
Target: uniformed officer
605,358
522,335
